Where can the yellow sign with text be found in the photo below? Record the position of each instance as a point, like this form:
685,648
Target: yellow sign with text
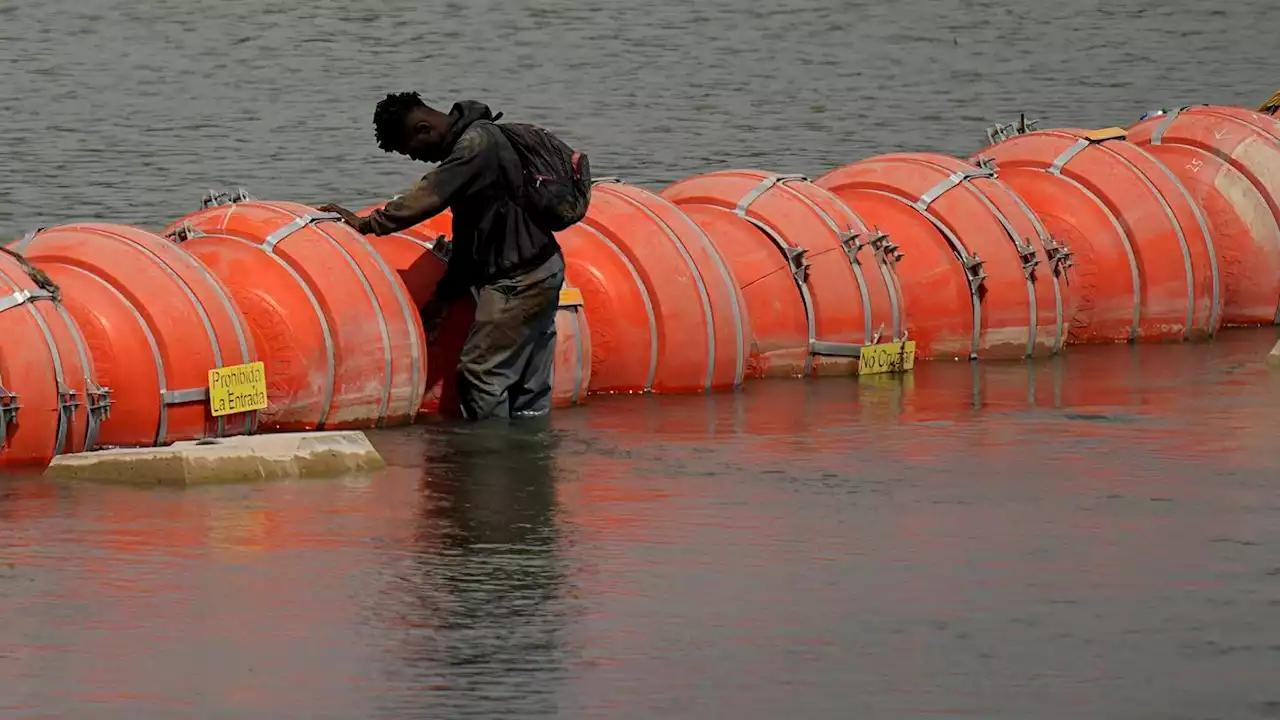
894,357
237,389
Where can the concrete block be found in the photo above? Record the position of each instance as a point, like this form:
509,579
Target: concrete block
1274,358
226,460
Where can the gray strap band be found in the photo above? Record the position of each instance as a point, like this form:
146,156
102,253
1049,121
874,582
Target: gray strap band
1157,135
22,297
834,349
182,397
951,181
1061,161
293,226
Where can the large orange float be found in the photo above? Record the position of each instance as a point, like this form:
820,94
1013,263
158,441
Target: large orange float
1230,162
813,296
156,321
981,275
373,366
1171,262
420,255
50,402
663,306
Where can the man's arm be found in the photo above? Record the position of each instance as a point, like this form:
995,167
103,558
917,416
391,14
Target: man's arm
472,163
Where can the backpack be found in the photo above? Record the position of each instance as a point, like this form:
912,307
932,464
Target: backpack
556,186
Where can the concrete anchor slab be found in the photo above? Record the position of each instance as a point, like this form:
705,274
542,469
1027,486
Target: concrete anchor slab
227,460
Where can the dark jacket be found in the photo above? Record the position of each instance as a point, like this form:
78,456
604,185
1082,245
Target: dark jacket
478,180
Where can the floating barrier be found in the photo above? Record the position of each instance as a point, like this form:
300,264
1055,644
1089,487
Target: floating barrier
1229,160
1165,232
978,270
351,324
812,300
663,306
1167,252
155,321
50,400
420,255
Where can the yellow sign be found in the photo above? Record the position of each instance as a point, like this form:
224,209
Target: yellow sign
887,358
237,389
570,297
1111,133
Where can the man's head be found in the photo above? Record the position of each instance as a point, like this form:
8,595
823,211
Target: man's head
406,125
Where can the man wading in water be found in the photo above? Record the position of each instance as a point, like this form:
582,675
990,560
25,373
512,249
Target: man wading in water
510,187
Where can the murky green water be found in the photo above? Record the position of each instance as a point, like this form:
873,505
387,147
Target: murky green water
1094,537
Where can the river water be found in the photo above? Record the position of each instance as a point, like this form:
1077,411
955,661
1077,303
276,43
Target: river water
1094,536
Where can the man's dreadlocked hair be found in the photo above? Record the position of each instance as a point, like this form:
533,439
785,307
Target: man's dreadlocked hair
388,117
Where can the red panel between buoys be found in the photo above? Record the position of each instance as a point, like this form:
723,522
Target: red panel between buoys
1230,164
379,364
1171,257
974,229
685,299
814,293
50,402
421,263
156,321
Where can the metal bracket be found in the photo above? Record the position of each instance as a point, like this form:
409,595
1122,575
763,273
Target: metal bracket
183,232
213,198
1060,258
849,241
1027,254
9,407
67,404
799,265
973,269
986,163
875,339
883,246
1000,132
99,402
606,181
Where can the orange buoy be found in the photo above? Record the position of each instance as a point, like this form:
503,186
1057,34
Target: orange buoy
156,321
50,402
778,321
969,242
1228,162
420,258
664,309
373,368
1174,268
812,299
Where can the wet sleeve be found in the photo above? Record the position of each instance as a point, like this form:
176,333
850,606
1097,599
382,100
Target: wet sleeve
472,164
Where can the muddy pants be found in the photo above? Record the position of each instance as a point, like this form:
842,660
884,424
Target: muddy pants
506,364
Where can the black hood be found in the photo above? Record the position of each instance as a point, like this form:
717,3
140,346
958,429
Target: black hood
463,115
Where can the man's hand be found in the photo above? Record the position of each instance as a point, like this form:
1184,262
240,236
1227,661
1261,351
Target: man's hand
432,313
348,217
